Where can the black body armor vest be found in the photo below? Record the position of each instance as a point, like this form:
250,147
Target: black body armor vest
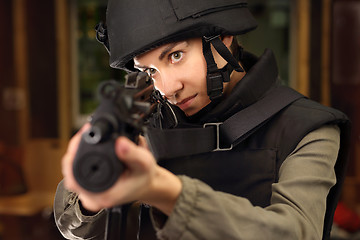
250,168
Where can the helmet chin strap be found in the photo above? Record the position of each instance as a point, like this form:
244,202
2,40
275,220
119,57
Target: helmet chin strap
216,77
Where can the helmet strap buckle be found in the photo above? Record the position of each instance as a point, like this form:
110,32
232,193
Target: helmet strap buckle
209,39
102,35
215,77
214,85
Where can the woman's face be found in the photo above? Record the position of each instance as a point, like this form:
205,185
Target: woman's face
179,73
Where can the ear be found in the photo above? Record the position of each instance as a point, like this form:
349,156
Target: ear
227,40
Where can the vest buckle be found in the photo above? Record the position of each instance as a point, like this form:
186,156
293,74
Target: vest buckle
218,147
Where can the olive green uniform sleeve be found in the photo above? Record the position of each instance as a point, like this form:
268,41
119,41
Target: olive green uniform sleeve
71,222
297,207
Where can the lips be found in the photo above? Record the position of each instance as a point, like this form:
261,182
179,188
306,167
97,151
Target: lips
185,103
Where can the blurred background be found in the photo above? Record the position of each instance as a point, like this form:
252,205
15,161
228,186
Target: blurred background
51,64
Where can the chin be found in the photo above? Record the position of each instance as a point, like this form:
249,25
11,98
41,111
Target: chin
189,113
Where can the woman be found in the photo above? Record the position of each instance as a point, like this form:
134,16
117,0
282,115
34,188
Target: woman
279,180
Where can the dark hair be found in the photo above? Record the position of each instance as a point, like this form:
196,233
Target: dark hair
236,49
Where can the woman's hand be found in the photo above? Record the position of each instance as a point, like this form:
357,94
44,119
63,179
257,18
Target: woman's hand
142,179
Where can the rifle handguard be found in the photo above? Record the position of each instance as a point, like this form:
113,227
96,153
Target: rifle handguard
121,112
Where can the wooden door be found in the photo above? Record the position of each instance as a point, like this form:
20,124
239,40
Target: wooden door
345,83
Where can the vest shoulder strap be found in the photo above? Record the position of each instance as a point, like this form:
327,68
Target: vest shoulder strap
222,135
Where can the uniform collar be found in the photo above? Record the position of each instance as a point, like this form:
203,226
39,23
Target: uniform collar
262,74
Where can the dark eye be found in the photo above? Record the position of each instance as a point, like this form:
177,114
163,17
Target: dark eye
150,71
176,56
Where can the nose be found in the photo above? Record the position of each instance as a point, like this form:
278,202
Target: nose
170,84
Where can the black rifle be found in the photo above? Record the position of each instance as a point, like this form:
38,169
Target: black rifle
121,112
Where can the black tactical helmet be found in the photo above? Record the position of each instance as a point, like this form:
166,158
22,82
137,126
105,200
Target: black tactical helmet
136,26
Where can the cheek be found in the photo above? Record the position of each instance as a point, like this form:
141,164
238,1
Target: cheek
198,73
156,86
201,83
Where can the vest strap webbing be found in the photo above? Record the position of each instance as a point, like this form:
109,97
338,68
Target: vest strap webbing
171,143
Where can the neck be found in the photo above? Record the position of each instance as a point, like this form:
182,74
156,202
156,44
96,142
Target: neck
235,77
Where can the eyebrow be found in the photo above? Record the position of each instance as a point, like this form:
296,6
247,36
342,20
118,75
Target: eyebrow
168,49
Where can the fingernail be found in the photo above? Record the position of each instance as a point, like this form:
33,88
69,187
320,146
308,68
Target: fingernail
122,146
